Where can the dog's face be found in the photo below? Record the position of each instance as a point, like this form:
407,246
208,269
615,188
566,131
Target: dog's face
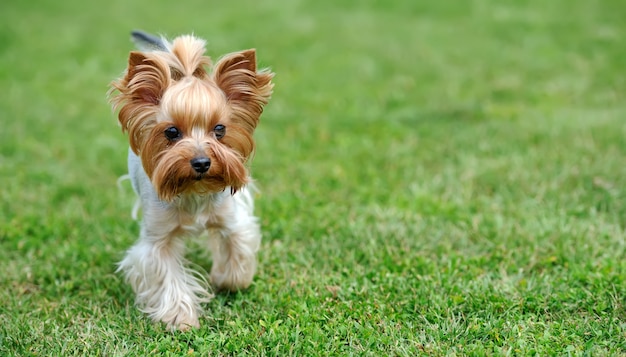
192,127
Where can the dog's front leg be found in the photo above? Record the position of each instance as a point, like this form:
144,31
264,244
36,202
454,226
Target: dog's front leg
234,237
166,290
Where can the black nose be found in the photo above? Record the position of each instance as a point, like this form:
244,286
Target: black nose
200,164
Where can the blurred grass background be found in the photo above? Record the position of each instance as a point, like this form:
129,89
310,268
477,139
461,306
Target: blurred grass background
437,178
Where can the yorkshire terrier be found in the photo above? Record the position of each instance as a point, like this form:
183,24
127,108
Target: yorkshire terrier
190,127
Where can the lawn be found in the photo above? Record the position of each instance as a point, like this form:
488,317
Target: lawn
437,178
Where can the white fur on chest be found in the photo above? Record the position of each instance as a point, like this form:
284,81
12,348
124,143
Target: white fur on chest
195,212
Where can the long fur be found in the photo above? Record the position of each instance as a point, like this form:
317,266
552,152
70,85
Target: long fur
172,85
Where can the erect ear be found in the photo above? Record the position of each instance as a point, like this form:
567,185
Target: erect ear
139,93
235,72
247,89
146,78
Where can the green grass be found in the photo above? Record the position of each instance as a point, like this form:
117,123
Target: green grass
437,177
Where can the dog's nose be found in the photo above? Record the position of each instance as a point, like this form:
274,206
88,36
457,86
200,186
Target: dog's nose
200,164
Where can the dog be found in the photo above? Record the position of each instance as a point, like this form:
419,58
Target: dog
190,126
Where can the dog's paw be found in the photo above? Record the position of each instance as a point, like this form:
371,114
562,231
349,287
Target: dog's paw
183,322
232,278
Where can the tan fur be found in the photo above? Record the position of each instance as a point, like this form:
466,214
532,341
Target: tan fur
175,87
161,89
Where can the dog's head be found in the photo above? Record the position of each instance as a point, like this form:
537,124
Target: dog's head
192,123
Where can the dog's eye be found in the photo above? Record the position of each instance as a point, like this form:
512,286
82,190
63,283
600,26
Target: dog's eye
172,133
220,131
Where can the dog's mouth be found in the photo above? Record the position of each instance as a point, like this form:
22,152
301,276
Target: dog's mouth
199,177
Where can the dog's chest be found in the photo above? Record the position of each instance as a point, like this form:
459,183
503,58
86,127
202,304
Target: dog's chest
195,212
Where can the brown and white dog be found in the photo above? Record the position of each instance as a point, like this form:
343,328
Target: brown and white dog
190,127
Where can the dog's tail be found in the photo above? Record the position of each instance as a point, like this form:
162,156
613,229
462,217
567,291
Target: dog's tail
148,42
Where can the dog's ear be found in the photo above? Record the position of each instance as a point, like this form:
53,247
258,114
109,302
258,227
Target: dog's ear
246,89
140,91
146,78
